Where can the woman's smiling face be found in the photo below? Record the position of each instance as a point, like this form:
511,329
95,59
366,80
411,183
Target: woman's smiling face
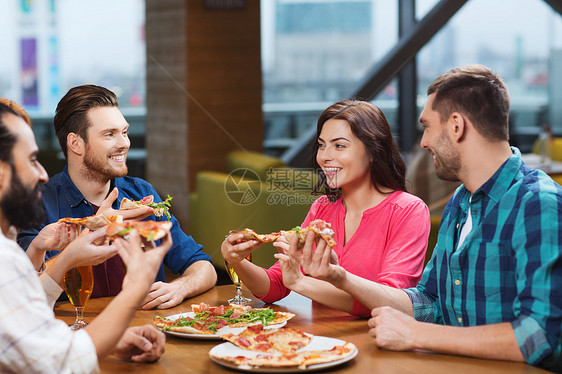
342,156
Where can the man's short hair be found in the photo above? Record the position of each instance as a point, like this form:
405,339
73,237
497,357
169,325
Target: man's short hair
16,108
72,110
479,94
7,138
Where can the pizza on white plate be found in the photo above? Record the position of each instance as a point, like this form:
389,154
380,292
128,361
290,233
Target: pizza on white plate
282,347
209,319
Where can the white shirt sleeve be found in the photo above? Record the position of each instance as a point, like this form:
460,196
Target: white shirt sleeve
51,288
32,340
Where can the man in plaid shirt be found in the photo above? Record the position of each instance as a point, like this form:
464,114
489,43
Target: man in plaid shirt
493,288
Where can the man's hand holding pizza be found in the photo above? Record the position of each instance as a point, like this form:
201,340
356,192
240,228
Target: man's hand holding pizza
84,250
53,237
140,211
142,266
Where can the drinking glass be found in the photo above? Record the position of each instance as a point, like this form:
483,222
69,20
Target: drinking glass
238,298
78,284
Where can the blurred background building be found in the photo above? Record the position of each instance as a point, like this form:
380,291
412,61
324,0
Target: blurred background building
313,53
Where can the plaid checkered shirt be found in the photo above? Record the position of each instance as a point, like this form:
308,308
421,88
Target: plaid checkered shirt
509,267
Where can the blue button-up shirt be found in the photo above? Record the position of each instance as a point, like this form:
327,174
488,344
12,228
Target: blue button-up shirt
62,198
509,267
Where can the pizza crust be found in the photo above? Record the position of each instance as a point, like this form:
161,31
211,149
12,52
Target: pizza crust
249,234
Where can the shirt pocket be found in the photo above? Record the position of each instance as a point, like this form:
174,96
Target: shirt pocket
493,273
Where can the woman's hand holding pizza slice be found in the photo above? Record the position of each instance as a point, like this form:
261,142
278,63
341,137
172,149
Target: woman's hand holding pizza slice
236,247
321,262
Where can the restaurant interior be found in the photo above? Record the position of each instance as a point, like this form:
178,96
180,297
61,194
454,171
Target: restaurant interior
223,96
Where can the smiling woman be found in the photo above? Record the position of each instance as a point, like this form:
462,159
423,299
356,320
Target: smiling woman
380,230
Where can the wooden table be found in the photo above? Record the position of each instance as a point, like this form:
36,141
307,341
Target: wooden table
192,356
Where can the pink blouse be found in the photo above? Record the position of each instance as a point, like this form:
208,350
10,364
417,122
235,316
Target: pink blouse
388,247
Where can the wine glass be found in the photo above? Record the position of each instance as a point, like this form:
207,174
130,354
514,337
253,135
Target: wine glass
78,284
238,298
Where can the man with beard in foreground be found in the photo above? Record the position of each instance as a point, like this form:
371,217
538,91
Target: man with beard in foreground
93,135
33,340
493,287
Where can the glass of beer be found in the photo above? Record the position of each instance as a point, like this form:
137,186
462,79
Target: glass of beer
78,284
238,298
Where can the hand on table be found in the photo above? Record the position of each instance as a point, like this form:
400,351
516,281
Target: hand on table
141,344
163,295
128,214
234,249
392,329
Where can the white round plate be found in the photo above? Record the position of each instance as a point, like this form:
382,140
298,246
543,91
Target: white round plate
223,330
317,343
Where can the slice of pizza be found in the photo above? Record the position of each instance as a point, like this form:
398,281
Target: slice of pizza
320,228
263,316
92,222
159,209
339,352
149,230
289,340
265,360
274,359
249,234
243,315
256,338
253,338
219,310
206,325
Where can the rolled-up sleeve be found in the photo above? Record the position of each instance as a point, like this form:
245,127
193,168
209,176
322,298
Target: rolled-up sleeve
538,306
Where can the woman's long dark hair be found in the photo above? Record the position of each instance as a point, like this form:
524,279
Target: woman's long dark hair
368,123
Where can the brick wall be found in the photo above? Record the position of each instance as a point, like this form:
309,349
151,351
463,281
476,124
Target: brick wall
204,91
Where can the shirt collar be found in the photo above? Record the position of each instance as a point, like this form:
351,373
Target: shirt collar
73,194
498,184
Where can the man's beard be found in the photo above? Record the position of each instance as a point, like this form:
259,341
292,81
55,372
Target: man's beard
448,160
22,206
96,170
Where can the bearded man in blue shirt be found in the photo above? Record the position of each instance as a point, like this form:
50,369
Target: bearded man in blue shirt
93,135
493,287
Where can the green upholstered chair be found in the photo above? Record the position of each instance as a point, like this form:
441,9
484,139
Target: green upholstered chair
224,202
238,161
